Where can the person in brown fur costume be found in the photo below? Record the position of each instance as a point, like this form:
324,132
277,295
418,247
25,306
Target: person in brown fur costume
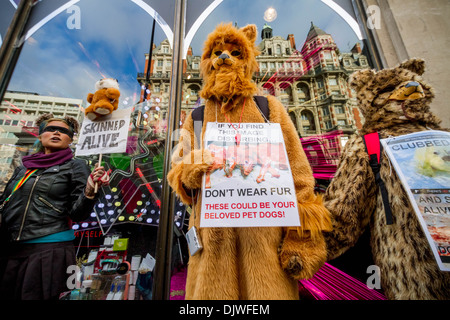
393,102
245,263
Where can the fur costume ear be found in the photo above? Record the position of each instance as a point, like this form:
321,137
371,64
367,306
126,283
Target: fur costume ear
415,65
360,78
250,32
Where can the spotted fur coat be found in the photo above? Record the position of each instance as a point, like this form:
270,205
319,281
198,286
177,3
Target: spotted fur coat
394,102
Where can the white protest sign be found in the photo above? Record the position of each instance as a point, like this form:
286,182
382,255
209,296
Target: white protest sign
422,163
108,134
251,184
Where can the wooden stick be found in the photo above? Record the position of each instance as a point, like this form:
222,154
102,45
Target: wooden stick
99,164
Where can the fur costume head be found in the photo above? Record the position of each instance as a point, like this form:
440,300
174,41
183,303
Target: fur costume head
105,99
228,63
394,96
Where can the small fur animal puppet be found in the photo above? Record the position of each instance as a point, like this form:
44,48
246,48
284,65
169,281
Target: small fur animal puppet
105,99
250,262
394,102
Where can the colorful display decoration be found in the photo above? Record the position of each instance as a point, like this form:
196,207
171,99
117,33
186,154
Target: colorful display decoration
133,195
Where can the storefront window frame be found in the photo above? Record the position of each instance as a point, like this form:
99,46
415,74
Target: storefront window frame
10,52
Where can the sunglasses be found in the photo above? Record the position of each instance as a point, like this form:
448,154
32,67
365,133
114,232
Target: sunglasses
59,129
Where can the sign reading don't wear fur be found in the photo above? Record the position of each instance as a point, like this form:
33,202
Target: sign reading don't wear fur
250,183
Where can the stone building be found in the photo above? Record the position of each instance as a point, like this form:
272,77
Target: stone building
310,82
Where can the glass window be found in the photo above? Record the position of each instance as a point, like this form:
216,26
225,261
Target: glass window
62,59
333,82
339,109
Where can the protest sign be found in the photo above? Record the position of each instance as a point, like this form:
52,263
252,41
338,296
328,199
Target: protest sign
106,135
251,183
422,162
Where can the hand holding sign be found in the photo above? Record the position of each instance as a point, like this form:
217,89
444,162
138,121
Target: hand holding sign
98,177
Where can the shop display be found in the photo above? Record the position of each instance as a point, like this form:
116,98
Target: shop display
395,102
134,190
269,260
110,274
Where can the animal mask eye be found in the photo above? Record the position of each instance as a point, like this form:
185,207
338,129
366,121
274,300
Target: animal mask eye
217,53
388,88
235,53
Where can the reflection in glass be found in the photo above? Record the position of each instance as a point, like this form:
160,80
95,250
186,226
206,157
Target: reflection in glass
307,54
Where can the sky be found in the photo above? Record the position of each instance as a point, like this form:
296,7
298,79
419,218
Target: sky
112,41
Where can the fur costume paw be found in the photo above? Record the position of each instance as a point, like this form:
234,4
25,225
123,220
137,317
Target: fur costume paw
200,162
105,99
301,256
303,250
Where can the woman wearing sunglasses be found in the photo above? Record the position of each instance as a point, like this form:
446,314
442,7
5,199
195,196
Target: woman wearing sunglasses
42,198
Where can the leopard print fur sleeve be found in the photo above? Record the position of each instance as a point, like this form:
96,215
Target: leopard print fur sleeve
350,198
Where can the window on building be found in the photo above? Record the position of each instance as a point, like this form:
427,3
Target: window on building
326,111
308,120
327,55
284,100
160,63
339,109
342,122
263,66
272,65
165,49
303,93
319,84
332,82
278,49
328,124
157,88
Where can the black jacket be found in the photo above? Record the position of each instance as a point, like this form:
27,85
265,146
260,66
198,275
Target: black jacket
47,202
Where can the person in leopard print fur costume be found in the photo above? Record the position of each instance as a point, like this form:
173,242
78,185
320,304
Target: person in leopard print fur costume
408,269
